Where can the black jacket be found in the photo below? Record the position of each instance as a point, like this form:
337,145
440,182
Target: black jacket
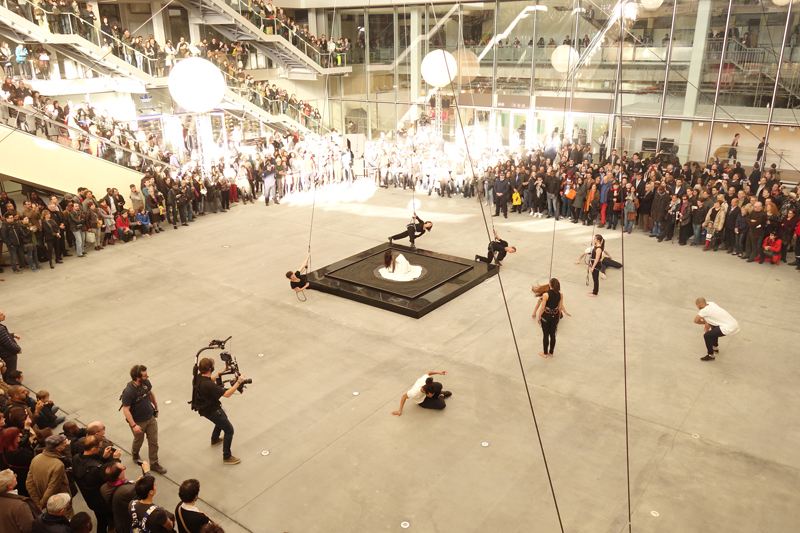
11,234
47,523
88,473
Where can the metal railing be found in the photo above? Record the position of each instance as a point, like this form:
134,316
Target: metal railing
32,121
271,25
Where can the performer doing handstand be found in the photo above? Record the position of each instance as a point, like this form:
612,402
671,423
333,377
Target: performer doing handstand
299,279
499,247
413,230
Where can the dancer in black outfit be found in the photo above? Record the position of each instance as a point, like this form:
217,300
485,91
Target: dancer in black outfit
498,249
299,280
413,230
550,307
594,262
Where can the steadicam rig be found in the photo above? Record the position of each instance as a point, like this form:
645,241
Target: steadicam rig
232,366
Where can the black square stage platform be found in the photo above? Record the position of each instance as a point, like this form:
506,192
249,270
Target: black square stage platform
443,278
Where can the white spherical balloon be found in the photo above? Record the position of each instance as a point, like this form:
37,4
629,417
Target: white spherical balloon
652,5
196,84
564,58
784,2
439,68
468,66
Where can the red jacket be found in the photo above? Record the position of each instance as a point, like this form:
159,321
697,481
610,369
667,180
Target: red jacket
774,245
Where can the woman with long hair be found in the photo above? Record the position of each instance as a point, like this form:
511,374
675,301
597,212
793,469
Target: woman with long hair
550,307
596,256
398,268
426,392
16,453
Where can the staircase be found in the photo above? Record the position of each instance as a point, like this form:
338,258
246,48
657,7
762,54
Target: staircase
301,61
92,57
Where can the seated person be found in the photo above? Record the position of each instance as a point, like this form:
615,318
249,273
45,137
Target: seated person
47,415
771,249
398,268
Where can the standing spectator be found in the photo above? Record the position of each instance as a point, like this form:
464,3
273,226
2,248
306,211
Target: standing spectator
54,520
48,474
9,349
77,225
11,235
756,221
81,523
141,411
21,55
119,492
189,518
144,513
88,470
16,453
17,513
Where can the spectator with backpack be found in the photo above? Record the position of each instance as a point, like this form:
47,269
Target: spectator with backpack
147,517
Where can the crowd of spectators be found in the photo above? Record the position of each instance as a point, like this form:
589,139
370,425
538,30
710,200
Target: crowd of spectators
714,206
45,230
42,472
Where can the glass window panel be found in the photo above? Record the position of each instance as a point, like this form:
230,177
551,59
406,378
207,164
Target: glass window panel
357,113
788,95
381,35
750,136
411,50
382,119
644,60
515,21
352,24
476,33
690,137
689,53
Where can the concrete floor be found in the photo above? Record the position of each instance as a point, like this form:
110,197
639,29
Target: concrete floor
713,446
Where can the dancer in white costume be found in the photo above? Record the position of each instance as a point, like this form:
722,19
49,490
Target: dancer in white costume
398,268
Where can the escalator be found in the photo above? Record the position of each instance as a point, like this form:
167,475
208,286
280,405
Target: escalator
48,165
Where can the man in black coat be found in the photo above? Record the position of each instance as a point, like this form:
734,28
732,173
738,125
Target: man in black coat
54,520
88,470
9,349
730,224
502,191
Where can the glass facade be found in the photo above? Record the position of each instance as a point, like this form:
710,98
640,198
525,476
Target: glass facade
678,75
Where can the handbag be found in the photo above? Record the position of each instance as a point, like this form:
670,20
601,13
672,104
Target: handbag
90,238
617,206
162,210
571,194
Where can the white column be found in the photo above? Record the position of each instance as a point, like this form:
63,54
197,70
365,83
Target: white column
415,54
312,23
194,30
158,22
695,72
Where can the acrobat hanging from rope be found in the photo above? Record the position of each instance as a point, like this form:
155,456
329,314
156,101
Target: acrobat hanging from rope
415,229
299,280
497,251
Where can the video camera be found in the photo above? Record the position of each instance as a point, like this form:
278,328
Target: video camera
233,370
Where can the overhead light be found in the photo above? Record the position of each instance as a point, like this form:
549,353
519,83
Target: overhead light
791,129
725,125
540,8
777,128
701,124
666,122
747,126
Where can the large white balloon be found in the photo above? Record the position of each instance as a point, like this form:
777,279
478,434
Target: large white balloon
196,84
564,58
439,68
652,5
784,2
468,66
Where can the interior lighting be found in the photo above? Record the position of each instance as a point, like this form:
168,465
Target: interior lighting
652,5
564,58
196,84
438,68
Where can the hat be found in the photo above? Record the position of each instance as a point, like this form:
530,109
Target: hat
54,441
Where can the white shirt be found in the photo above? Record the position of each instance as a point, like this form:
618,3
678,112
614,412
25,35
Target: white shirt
415,393
717,316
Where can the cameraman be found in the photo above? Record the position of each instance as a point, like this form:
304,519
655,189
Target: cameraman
206,401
